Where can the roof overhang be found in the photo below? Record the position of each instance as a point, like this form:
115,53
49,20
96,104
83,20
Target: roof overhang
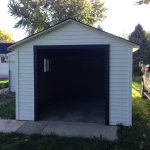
37,35
136,48
9,54
133,45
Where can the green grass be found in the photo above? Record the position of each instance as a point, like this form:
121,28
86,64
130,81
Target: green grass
133,138
7,111
15,141
3,83
137,136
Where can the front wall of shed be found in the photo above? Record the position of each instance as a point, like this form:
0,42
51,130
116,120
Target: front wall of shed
74,34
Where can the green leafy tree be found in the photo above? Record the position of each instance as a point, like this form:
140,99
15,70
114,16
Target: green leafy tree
5,37
148,35
140,37
36,15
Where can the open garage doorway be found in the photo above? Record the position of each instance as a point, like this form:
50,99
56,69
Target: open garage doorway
71,83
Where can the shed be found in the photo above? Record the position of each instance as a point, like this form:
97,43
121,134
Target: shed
71,67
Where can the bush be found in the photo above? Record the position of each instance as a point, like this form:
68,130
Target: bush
4,84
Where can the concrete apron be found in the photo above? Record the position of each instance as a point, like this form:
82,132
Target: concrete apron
8,126
60,128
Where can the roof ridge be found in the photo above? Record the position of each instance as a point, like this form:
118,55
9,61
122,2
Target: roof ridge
73,20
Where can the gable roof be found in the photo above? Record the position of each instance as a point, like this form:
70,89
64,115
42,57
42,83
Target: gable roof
136,46
3,48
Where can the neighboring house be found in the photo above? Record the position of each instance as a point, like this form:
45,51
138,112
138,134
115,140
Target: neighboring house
11,67
72,58
3,64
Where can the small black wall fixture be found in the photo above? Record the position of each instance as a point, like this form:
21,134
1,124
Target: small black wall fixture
73,49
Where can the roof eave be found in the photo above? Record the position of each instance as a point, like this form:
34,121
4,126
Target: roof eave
38,34
9,54
135,46
110,35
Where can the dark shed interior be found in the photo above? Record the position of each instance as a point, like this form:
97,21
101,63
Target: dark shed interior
73,87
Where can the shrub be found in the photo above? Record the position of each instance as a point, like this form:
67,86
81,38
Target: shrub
4,84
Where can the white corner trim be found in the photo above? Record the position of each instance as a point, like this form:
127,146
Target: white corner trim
16,79
130,86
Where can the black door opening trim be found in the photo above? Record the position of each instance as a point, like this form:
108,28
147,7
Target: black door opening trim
38,48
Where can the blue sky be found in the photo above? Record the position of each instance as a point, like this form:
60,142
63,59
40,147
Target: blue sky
122,16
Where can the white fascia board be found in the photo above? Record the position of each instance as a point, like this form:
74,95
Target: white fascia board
71,20
135,49
9,54
37,35
135,46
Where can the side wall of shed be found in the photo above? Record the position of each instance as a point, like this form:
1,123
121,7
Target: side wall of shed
74,34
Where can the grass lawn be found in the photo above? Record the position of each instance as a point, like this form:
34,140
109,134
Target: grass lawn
7,105
136,137
7,111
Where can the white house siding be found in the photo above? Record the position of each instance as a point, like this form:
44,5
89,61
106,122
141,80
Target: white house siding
3,68
75,34
12,73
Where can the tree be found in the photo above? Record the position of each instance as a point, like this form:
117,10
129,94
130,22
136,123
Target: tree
36,15
5,37
140,2
148,35
140,37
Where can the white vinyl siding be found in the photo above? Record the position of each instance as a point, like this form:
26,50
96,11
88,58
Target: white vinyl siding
75,34
12,76
12,79
25,84
3,67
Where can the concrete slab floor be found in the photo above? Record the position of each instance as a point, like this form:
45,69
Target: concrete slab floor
72,109
8,126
